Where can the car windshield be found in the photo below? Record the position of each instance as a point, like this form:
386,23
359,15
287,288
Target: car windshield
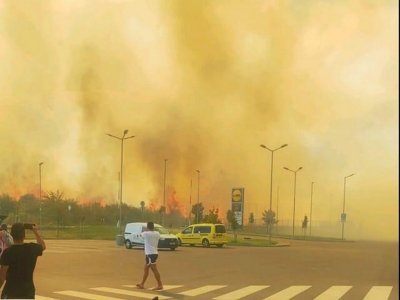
161,230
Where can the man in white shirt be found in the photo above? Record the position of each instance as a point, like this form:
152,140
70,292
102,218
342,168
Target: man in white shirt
151,238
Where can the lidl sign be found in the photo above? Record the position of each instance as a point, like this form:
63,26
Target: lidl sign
237,204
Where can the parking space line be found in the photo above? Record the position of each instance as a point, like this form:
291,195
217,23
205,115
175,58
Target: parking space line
38,297
243,292
89,296
130,293
289,293
165,287
202,290
378,293
334,292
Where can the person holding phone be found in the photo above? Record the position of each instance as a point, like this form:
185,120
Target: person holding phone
18,262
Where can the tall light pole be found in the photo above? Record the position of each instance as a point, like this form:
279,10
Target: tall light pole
165,177
165,180
198,196
294,198
270,187
277,208
40,193
312,189
124,137
190,201
343,217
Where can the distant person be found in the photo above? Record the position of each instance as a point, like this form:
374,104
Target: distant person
6,239
18,262
151,238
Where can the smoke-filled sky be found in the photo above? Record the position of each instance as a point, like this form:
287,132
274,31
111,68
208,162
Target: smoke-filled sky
203,84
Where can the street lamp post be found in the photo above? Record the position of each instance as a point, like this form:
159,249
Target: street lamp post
312,190
165,177
124,137
190,202
343,217
40,193
294,198
270,187
277,209
165,180
198,196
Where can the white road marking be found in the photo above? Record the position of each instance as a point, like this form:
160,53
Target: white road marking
334,292
44,298
243,292
165,287
289,293
202,290
378,293
83,295
129,293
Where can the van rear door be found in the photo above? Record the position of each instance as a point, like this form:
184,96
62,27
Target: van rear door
220,232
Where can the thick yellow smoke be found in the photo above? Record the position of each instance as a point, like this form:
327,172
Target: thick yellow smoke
203,84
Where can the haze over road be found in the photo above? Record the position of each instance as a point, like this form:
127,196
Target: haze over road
305,270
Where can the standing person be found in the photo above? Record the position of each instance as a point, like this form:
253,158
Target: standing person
18,262
6,239
151,238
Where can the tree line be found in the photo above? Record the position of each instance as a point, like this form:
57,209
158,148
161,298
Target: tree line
57,210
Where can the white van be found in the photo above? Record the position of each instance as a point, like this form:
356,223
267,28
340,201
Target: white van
133,236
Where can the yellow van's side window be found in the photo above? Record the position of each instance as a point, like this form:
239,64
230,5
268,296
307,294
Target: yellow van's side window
202,229
187,230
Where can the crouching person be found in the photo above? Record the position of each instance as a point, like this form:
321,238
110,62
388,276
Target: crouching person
18,262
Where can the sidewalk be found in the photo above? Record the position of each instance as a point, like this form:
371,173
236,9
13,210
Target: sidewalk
280,242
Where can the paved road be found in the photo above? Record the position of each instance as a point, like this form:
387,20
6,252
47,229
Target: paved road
304,270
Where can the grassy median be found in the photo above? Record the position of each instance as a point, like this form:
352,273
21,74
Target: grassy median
107,232
104,232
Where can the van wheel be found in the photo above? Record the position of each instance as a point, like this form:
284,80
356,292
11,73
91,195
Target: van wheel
205,243
128,244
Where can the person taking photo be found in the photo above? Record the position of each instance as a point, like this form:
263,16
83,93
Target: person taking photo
18,262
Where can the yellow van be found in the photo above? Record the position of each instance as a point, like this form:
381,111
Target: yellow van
203,234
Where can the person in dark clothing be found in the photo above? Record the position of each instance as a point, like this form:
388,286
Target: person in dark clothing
18,262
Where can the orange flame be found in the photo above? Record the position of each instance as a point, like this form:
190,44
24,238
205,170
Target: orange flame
175,205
